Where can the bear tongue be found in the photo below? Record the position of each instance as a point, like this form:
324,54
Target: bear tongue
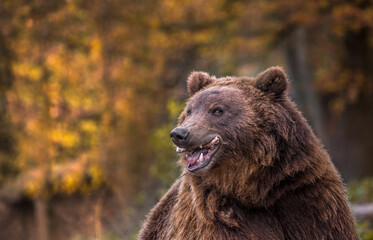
193,157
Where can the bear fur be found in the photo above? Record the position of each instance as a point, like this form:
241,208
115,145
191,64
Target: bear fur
270,177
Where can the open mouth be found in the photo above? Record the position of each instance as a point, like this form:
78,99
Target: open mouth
201,156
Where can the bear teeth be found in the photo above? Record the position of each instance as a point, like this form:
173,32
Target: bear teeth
200,159
215,140
210,146
180,150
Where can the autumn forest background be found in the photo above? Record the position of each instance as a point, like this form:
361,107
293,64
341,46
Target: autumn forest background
89,91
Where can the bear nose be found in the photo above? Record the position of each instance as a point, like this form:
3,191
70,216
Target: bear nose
180,136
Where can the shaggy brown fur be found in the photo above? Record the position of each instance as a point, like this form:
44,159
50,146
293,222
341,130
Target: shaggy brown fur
270,177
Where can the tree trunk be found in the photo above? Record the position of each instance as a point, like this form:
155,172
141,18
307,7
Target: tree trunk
300,74
7,150
351,141
41,218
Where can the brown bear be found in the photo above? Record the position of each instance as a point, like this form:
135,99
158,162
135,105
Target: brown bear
253,168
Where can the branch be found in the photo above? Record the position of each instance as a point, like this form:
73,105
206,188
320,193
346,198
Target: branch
363,211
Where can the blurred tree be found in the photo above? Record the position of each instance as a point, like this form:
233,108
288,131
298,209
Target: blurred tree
7,144
8,167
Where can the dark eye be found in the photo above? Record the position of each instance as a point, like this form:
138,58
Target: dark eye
189,112
218,111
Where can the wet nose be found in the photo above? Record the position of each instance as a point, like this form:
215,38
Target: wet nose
180,136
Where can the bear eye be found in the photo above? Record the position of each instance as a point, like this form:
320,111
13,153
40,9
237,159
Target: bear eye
218,111
189,112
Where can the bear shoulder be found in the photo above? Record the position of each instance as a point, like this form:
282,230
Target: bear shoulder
157,223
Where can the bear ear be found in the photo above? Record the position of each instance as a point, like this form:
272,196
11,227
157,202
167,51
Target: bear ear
272,80
197,81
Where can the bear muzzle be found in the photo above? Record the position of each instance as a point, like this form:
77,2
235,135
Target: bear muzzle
180,136
198,150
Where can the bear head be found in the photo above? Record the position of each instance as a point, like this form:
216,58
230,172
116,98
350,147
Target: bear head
233,119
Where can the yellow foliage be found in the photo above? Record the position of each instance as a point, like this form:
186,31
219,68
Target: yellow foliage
64,138
88,126
28,70
67,178
96,49
97,176
69,183
174,108
34,183
33,189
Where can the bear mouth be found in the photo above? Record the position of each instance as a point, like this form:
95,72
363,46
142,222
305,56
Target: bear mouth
201,156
